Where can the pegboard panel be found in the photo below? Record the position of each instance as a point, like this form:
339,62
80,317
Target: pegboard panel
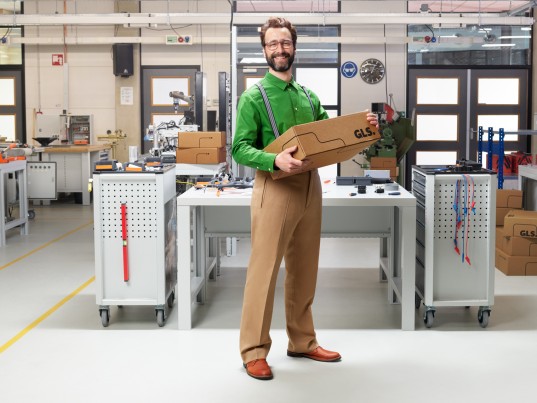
449,196
141,201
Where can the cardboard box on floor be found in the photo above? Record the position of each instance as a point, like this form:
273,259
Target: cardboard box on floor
520,223
509,198
515,245
516,265
501,212
326,142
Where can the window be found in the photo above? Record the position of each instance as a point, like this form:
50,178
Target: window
10,53
309,49
471,45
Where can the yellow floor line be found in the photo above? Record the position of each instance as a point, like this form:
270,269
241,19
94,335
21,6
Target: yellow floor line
45,245
44,316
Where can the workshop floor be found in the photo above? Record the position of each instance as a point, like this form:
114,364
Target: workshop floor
54,349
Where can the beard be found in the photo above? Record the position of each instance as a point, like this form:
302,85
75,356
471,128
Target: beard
282,66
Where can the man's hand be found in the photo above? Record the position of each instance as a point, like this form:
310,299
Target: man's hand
287,163
372,119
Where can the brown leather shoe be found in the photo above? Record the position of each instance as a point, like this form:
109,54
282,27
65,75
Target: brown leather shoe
319,354
259,369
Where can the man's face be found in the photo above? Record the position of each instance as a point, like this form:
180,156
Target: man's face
279,50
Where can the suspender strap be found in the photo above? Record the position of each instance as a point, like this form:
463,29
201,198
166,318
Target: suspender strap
309,99
269,108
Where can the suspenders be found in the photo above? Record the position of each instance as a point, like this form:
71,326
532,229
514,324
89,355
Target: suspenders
269,109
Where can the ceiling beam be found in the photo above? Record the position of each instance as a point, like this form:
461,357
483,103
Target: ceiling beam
163,19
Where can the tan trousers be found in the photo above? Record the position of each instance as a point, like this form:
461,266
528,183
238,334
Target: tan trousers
286,223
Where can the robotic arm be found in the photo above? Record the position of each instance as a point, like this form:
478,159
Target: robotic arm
179,95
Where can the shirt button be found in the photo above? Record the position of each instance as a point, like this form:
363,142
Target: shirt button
296,109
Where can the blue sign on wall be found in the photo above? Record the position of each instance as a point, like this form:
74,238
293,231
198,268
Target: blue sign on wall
349,69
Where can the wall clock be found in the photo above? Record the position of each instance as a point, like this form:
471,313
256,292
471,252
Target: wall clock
372,71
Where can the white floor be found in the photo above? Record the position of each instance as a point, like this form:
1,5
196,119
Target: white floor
54,349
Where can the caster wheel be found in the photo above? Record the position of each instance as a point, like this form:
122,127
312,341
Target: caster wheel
31,214
161,318
483,318
428,319
105,317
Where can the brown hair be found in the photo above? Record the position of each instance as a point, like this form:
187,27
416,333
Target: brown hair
277,22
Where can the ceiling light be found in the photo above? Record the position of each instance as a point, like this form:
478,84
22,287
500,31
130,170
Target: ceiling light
493,45
515,37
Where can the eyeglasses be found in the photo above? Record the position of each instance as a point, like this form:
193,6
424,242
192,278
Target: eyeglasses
274,44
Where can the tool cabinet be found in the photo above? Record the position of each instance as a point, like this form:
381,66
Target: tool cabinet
454,267
135,240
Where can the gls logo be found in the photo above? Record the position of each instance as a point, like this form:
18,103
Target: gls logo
360,133
532,234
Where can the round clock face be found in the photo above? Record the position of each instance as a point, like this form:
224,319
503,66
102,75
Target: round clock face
372,71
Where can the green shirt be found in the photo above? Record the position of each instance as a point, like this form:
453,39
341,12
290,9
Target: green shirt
253,131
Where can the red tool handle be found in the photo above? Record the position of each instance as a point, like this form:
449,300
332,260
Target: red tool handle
124,237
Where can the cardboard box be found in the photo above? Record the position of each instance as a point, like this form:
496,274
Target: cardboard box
509,198
201,155
326,142
520,223
501,212
383,162
515,245
518,246
516,265
201,139
499,236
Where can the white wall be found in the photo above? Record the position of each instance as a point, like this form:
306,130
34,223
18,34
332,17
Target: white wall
212,58
85,85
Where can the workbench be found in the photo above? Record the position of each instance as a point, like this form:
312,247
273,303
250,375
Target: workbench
204,215
17,168
74,164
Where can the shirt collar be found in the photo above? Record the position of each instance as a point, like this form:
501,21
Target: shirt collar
279,83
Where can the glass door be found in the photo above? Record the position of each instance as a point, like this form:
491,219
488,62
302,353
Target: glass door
11,106
449,105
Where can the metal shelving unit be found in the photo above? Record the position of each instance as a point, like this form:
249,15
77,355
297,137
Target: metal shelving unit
454,267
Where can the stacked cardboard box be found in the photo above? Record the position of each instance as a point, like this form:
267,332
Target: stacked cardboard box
386,164
201,147
507,200
516,244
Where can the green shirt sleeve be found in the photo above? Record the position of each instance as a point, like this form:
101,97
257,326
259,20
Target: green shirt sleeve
247,147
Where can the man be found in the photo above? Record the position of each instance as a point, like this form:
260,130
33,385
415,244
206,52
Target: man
286,214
